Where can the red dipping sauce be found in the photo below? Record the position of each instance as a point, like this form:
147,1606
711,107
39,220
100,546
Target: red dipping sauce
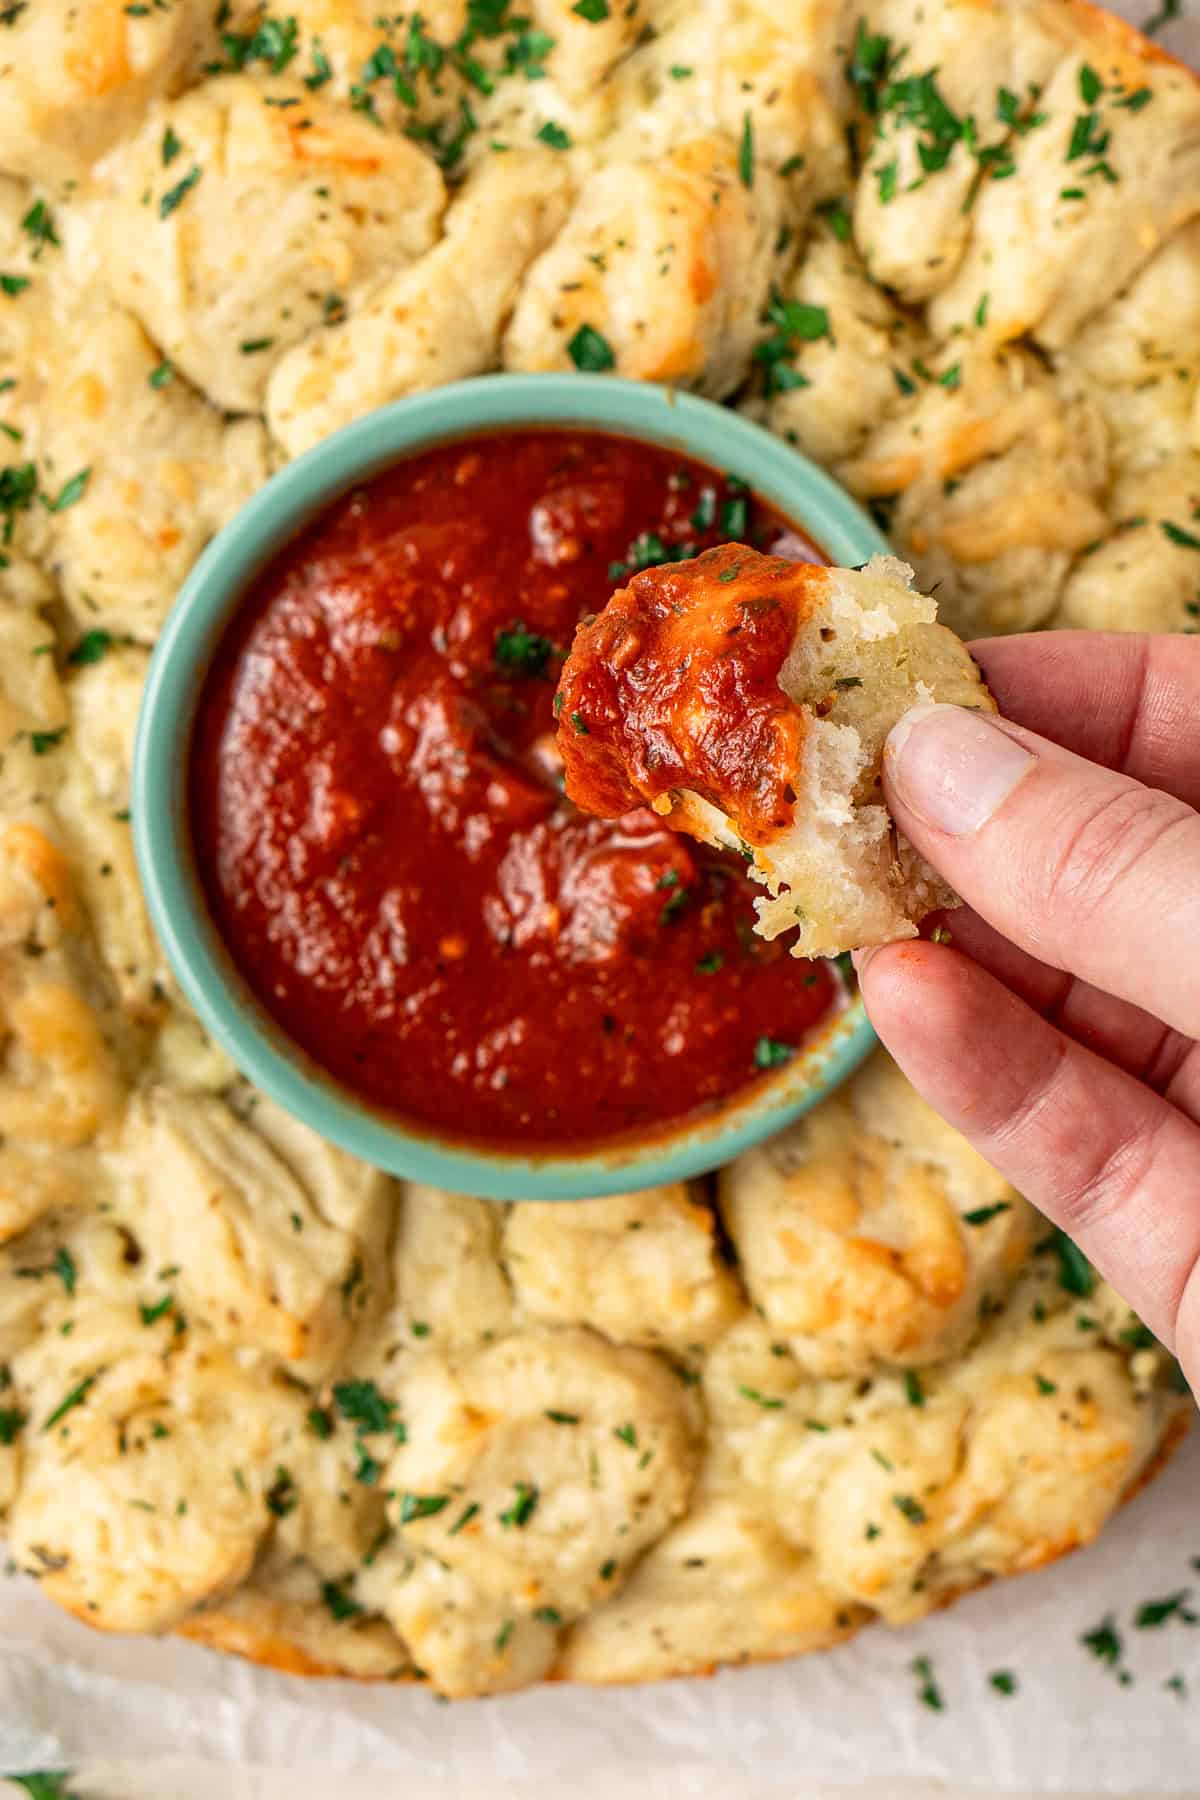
380,827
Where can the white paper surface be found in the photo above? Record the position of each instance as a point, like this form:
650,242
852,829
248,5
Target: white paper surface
151,1720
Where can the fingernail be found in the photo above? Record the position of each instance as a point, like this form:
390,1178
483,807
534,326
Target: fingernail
953,768
860,959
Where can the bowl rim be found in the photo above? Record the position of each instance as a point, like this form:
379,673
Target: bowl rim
203,608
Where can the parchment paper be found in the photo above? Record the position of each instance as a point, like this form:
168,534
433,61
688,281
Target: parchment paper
150,1720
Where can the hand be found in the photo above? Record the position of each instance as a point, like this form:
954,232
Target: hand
1058,1030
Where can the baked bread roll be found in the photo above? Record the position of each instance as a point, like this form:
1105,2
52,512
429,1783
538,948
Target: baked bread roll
746,699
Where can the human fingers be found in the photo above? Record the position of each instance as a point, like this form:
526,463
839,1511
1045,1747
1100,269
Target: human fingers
1084,868
1128,700
1112,1163
1127,1035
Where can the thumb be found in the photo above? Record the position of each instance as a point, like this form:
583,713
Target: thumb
1084,868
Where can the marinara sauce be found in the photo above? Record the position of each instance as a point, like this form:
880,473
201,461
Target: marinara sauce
379,820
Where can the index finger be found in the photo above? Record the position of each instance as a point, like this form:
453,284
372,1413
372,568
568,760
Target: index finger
1128,700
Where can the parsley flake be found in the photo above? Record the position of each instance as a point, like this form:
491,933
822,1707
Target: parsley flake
769,1053
769,1402
422,1506
92,647
1153,1613
746,152
521,652
590,351
554,136
174,197
522,1508
1003,1680
929,1692
982,1214
71,1400
339,1601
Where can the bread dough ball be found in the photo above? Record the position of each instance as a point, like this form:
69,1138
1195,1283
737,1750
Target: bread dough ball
747,700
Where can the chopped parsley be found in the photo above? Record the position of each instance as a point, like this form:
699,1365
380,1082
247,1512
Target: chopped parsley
746,152
521,652
362,1403
627,1435
914,1391
795,322
580,724
1075,1273
1187,540
930,1693
45,741
708,965
547,1615
422,1506
563,1418
837,217
43,1784
592,10
504,1633
282,1496
322,68
171,146
163,375
320,1422
12,285
522,1508
1003,1680
591,351
341,1604
769,1402
982,1214
71,492
951,378
1169,11
38,224
886,177
910,1508
71,1400
174,197
1153,1613
367,1469
769,1053
275,42
11,1421
1044,1386
1104,1642
608,1569
92,647
252,346
464,1518
554,136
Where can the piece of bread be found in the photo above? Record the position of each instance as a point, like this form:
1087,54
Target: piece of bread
747,699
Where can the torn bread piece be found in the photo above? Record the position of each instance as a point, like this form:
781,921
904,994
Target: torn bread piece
746,699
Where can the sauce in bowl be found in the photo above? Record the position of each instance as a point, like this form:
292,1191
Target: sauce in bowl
380,828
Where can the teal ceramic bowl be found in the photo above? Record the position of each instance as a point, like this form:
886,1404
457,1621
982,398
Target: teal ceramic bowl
204,608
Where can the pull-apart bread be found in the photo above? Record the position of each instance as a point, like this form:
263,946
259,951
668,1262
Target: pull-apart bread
746,698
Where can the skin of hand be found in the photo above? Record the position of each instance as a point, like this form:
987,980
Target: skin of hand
1058,1029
